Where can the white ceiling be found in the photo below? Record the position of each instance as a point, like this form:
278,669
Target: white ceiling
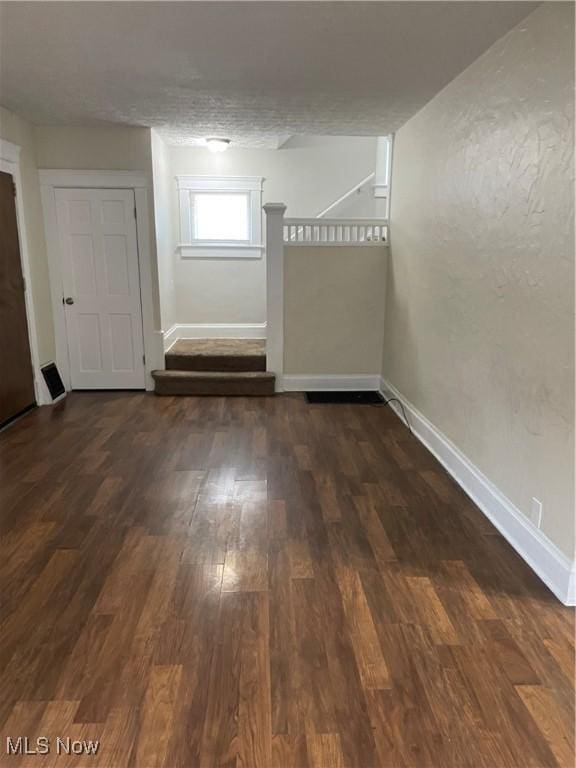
253,72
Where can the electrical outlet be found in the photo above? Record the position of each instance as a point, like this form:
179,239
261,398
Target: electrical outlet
536,512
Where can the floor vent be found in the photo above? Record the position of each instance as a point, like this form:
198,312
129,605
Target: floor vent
345,398
53,380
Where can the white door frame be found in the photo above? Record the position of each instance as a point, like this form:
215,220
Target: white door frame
50,180
10,163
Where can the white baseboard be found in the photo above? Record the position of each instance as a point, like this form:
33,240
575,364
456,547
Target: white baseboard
541,554
304,383
213,331
169,337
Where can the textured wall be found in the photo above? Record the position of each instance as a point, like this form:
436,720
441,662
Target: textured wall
307,175
18,131
333,309
480,307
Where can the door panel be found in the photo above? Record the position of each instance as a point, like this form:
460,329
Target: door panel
16,373
121,335
101,280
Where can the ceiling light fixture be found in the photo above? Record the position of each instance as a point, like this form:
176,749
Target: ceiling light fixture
217,145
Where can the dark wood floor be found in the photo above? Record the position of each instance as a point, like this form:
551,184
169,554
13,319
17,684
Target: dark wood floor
258,583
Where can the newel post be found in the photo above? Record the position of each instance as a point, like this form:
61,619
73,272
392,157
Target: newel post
275,290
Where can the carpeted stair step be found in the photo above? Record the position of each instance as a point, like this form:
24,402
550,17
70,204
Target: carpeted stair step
217,355
171,382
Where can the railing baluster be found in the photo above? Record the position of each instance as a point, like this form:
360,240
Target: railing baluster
335,231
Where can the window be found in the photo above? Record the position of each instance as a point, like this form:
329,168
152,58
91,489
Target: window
220,216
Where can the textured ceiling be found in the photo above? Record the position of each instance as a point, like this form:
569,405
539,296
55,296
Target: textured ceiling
253,72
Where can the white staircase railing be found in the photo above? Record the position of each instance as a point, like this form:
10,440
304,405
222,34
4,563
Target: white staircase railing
281,235
346,196
365,232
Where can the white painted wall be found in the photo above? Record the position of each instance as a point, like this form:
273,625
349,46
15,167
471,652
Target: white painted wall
70,148
333,310
306,174
479,332
362,204
163,224
18,131
115,148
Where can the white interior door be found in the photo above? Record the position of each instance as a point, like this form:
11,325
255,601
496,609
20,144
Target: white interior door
101,286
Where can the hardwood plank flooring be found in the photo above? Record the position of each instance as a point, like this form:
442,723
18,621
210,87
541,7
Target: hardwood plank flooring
262,583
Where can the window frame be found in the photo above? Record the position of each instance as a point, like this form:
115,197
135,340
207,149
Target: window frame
190,247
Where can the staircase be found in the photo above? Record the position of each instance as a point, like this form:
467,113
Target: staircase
215,367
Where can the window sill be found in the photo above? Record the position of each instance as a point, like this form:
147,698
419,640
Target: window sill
220,251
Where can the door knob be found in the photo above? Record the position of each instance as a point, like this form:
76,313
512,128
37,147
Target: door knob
69,300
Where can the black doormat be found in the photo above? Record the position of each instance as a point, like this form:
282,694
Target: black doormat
347,398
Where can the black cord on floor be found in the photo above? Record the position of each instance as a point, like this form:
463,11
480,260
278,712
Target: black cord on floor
401,404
